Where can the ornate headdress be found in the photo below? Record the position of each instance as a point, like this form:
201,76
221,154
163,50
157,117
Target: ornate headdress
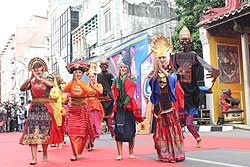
37,64
92,69
79,65
103,59
184,33
161,46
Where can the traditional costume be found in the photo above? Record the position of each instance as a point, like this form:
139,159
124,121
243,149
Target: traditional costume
126,109
79,121
95,107
188,78
40,118
168,134
106,79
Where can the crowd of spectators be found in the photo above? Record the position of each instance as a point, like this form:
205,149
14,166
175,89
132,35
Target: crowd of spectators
12,117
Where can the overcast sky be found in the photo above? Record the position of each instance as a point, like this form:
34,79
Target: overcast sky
15,13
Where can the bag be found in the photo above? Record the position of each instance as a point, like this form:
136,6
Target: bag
21,116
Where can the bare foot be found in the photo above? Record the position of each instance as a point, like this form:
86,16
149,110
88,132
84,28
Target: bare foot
131,156
198,144
79,156
45,158
60,145
118,158
33,162
74,158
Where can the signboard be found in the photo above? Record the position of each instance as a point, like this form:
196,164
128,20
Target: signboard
139,66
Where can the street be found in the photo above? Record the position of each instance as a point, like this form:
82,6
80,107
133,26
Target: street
219,149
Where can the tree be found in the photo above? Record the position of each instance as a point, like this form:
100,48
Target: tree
188,13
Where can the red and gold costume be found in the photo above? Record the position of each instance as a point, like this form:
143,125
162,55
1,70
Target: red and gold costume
167,137
40,118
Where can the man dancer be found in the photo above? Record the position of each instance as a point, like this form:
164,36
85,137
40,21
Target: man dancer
106,78
187,63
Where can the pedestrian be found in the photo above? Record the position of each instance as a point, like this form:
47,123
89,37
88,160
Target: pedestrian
187,62
107,99
37,128
2,118
8,108
126,111
95,106
167,136
21,117
79,121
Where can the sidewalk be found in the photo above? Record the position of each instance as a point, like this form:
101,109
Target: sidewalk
220,128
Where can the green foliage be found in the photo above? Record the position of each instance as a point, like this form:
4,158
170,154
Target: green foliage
191,11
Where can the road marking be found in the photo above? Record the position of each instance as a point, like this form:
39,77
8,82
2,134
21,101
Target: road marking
213,162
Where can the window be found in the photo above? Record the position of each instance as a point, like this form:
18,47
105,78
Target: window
90,25
107,21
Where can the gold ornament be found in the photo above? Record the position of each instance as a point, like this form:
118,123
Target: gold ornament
36,60
92,69
161,46
184,33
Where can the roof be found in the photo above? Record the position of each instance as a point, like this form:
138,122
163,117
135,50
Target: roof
208,20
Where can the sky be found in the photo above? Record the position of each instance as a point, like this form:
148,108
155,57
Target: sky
16,13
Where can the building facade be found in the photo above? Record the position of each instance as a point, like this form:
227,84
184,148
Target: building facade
225,38
105,24
26,43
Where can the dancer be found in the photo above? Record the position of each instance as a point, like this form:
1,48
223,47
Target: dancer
187,63
38,125
106,79
56,103
126,111
168,134
79,121
65,108
95,106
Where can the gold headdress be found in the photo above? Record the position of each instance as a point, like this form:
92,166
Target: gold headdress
37,63
161,46
92,69
184,33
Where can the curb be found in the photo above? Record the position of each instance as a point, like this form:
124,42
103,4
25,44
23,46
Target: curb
212,128
242,127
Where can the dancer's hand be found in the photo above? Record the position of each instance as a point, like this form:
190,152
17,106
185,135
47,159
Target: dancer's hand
214,73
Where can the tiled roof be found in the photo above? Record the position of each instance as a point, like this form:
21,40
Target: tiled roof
224,15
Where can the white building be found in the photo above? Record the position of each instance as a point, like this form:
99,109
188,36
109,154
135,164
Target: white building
103,24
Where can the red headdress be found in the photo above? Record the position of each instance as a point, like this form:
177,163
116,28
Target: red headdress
79,65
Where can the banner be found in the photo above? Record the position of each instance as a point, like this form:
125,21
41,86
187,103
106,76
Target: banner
140,47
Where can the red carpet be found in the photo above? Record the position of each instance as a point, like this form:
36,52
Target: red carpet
15,155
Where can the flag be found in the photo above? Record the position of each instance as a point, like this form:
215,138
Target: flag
63,72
